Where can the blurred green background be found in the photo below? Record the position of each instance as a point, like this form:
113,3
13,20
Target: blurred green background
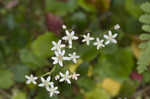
27,28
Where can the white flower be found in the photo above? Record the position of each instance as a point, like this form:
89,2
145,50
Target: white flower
75,76
74,57
99,43
60,57
110,38
57,46
64,26
46,83
65,77
53,90
69,37
87,39
57,77
117,26
31,79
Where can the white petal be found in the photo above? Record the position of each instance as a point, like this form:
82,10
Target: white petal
68,81
28,81
91,38
110,33
54,58
115,35
51,94
95,43
54,43
61,63
107,42
70,45
61,80
106,37
48,78
41,85
34,82
64,38
35,78
75,37
42,79
67,32
74,60
66,58
59,42
83,40
57,92
61,74
72,33
67,72
114,41
63,53
27,77
63,45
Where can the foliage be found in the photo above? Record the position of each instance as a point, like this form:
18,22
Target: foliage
27,28
144,60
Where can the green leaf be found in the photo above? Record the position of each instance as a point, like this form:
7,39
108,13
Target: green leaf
6,80
145,7
88,53
146,77
146,28
120,62
143,45
19,95
145,19
133,8
80,20
144,60
42,45
145,36
97,93
28,58
125,92
20,71
88,84
87,6
61,8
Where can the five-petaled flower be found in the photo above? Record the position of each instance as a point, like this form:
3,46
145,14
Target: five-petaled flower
69,37
57,46
74,57
110,38
53,90
31,79
46,82
87,39
65,77
75,76
99,43
60,57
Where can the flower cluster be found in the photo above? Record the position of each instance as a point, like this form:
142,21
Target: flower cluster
60,56
49,85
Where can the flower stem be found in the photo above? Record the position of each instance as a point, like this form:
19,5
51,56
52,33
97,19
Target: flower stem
49,73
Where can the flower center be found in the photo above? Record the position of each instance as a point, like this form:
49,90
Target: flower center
70,37
60,57
110,38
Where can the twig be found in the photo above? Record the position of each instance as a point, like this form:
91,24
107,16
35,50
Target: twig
49,73
5,94
141,91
